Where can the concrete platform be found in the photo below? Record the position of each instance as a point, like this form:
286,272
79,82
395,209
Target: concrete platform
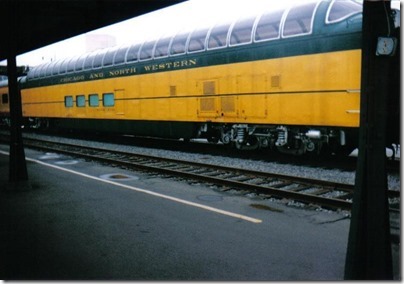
79,220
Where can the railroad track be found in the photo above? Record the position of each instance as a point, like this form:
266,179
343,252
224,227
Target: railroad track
326,194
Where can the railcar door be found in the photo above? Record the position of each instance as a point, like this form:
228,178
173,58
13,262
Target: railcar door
120,102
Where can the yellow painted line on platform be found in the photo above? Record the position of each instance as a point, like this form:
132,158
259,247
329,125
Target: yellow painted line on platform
182,201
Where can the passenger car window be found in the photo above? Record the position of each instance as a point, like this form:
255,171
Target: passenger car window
108,99
63,66
132,53
71,64
242,31
50,68
340,10
178,43
109,57
162,45
146,50
56,67
120,55
218,36
98,60
79,63
197,40
4,99
299,20
35,72
93,100
268,26
88,63
30,74
43,70
80,101
69,101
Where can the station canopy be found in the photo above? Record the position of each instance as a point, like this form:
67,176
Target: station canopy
32,24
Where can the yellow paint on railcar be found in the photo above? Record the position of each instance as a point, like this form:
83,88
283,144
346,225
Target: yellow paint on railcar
4,101
314,89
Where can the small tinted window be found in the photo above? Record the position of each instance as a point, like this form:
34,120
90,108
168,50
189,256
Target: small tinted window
98,60
268,26
69,101
299,20
4,99
109,57
242,31
108,99
340,10
146,50
132,54
93,100
162,45
178,43
80,101
120,55
218,36
197,40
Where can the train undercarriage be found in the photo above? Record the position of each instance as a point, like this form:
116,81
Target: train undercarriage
295,140
287,139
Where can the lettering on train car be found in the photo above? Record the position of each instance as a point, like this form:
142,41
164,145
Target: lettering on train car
123,71
72,79
170,65
98,75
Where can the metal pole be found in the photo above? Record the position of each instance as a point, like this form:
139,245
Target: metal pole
369,255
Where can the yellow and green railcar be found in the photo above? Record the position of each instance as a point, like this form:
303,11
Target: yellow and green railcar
287,78
4,103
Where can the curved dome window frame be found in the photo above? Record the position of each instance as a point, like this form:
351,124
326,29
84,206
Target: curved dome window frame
122,52
167,50
341,19
147,48
98,59
213,31
282,12
183,44
207,29
311,25
132,50
69,65
232,29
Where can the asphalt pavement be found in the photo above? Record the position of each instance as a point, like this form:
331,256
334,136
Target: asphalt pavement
80,220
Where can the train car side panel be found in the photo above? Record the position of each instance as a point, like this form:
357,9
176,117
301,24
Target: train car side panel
312,90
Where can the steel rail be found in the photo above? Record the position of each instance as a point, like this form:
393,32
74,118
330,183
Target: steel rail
211,174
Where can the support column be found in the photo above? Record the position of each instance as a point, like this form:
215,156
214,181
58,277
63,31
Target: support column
369,255
17,163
